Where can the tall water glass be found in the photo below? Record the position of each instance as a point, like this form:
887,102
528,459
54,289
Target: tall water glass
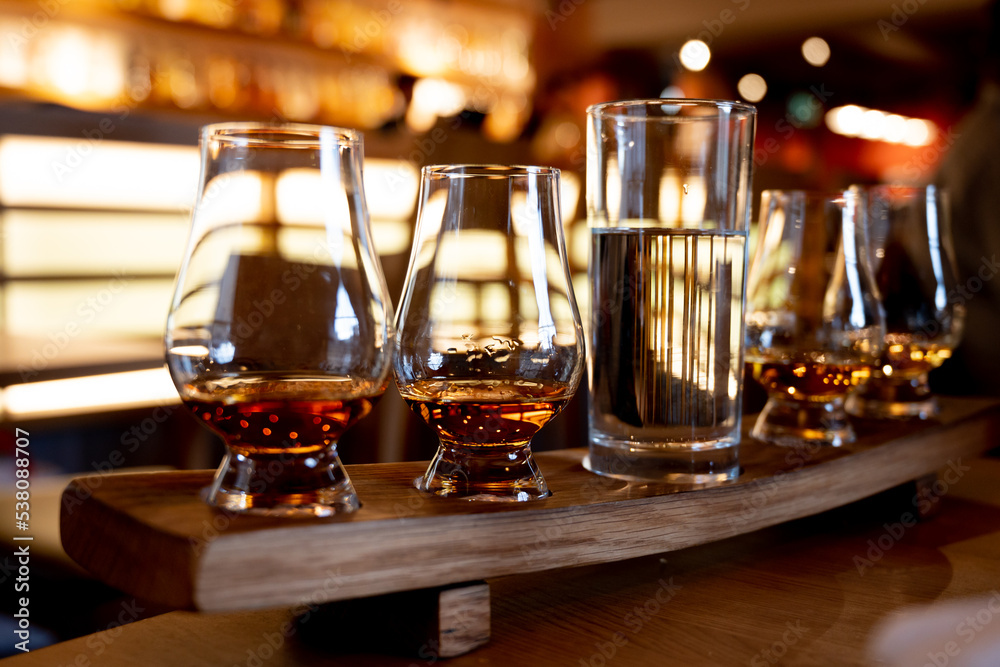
668,186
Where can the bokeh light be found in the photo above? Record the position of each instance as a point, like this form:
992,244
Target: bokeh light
816,51
695,55
852,120
752,87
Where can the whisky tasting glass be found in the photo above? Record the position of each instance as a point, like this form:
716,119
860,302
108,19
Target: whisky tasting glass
814,323
914,263
490,346
280,331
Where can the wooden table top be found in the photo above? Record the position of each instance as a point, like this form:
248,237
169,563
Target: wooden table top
807,592
152,536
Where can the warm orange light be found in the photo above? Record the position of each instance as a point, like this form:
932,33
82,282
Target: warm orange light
85,395
852,120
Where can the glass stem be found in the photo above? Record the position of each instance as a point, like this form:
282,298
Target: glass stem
497,472
788,422
283,483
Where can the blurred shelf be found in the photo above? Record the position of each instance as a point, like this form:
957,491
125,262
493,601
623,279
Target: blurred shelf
24,359
342,63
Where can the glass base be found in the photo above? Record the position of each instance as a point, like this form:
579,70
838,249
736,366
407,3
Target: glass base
894,398
503,473
694,464
791,423
285,485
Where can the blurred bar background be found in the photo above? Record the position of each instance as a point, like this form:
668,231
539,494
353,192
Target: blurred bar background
100,102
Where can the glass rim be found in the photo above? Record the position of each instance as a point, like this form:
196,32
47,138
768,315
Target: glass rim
903,188
298,135
486,171
603,109
814,195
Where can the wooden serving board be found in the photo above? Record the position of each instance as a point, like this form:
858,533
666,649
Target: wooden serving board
150,534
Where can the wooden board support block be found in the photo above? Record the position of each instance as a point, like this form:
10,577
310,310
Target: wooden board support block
152,536
427,624
463,619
